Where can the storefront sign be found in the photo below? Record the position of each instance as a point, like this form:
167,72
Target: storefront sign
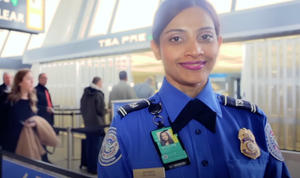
104,45
22,15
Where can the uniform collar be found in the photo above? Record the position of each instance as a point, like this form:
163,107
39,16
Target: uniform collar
174,100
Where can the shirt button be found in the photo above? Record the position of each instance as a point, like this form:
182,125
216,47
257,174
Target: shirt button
204,163
198,131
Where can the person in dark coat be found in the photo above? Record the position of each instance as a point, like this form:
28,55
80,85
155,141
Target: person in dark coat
5,89
6,83
92,107
45,107
92,104
44,104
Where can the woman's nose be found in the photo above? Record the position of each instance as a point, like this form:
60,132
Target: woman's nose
194,49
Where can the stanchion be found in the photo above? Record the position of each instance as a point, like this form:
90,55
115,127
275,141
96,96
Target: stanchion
73,143
69,135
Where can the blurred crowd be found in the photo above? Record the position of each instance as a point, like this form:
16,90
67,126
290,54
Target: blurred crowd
27,113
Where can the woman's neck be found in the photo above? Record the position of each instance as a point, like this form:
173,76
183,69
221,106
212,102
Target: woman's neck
24,95
190,90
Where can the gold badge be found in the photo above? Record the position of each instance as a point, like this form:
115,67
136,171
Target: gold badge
249,146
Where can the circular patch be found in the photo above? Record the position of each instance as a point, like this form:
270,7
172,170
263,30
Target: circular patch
110,151
272,144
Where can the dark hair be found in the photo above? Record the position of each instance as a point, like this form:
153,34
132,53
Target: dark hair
170,8
96,80
164,142
123,75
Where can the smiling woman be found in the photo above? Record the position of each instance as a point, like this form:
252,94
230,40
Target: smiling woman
186,38
188,49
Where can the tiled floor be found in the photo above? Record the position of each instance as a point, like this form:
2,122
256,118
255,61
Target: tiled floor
60,155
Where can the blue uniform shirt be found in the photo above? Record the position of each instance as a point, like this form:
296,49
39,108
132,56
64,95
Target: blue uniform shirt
128,144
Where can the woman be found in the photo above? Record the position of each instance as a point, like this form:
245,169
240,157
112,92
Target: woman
20,106
211,127
165,138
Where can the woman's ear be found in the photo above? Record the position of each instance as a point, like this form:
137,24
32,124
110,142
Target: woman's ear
220,41
156,50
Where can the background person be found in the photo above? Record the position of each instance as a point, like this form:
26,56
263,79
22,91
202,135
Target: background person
45,106
121,91
5,89
20,106
92,107
186,37
6,86
144,90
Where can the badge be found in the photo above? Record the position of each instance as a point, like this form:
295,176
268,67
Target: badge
158,172
249,146
169,148
110,151
272,144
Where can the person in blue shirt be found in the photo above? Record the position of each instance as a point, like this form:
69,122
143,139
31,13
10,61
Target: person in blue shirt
214,135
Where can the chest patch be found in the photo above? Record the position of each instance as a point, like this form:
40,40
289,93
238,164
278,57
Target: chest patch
272,144
110,151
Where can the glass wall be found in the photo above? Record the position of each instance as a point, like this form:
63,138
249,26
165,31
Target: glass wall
67,79
271,79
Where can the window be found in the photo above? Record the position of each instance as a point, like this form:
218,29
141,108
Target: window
102,17
247,4
133,14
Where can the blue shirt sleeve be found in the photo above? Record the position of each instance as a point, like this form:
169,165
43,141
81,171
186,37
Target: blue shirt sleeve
276,169
112,159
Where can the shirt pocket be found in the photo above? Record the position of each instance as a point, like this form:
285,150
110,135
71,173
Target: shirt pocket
248,168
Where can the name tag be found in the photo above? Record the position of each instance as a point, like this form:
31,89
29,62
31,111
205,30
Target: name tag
149,173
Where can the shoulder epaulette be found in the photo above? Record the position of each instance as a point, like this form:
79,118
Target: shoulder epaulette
239,103
128,108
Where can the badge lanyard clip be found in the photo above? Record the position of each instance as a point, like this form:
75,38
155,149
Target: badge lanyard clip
157,119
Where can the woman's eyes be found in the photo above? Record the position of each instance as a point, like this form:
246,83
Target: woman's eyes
202,38
175,39
206,37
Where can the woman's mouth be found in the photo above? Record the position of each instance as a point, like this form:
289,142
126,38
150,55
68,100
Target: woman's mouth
193,65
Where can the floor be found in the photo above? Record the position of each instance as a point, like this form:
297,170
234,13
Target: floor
60,155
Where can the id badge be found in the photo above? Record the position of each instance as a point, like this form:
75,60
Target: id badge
169,147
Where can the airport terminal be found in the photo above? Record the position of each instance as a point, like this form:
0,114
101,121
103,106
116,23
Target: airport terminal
71,50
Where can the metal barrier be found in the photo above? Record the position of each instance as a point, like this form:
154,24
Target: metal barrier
70,132
72,112
292,160
12,165
60,122
70,129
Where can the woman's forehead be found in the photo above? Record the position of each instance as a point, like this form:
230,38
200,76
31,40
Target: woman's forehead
195,17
